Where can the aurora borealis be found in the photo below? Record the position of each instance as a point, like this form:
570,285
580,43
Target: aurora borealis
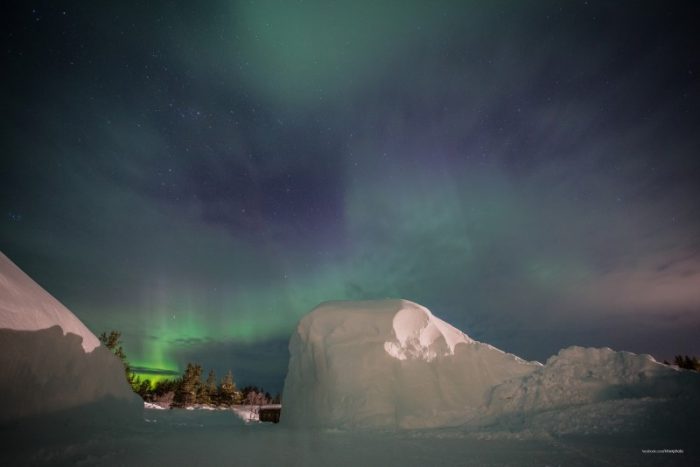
200,176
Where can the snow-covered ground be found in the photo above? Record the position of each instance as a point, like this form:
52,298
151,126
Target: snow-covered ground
247,413
200,437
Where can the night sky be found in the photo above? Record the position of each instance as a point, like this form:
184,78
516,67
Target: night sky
199,175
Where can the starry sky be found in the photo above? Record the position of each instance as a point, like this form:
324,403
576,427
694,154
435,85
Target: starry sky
199,175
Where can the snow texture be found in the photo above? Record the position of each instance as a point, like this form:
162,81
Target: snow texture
220,438
46,366
392,364
25,306
360,364
388,364
580,375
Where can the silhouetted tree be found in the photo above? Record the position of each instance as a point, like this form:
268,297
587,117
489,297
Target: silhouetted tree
228,394
186,393
687,362
208,391
112,341
144,389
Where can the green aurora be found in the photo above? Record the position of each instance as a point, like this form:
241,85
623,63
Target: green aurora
200,176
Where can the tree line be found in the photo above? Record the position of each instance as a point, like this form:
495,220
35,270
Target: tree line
188,389
686,362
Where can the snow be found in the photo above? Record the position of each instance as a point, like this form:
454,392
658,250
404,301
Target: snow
584,407
391,364
580,375
388,364
152,406
51,364
25,306
420,335
216,438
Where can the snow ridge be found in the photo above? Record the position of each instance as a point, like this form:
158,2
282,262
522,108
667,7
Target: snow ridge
26,306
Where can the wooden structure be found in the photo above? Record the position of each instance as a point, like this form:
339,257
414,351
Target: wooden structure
269,413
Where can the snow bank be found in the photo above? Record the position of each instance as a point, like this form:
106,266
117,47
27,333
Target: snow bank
580,375
25,306
388,364
50,362
392,364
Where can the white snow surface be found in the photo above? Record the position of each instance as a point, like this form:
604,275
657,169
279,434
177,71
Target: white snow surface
422,336
152,406
585,407
220,438
26,306
388,364
392,364
579,375
51,364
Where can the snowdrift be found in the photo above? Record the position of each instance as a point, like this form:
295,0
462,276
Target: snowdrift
591,391
50,362
388,364
392,364
25,306
580,375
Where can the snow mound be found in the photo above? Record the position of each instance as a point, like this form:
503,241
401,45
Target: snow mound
578,376
25,306
388,364
422,336
51,363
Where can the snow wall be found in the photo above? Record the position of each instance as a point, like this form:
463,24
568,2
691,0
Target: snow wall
578,376
392,364
51,364
388,364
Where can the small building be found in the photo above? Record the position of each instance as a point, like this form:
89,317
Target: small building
270,413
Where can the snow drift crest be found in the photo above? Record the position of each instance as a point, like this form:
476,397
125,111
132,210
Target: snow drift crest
25,306
422,336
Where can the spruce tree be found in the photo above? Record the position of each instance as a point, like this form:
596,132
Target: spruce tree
207,393
189,387
114,344
678,361
228,391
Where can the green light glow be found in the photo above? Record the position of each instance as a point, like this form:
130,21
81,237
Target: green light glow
300,52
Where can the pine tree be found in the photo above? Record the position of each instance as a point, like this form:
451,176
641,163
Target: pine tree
228,394
189,387
114,344
207,393
144,389
687,362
